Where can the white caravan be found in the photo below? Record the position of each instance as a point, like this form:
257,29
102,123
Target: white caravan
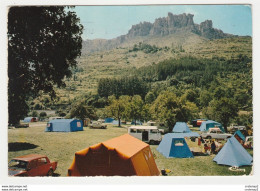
149,134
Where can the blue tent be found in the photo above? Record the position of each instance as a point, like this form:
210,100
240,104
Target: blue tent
109,120
64,125
233,154
30,119
181,127
240,135
174,145
205,125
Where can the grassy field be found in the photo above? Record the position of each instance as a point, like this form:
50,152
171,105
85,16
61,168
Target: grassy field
61,147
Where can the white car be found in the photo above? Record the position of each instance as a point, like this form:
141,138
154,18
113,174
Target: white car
98,125
234,128
215,133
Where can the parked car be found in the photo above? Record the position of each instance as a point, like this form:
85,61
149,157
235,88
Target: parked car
31,165
149,134
233,128
98,125
215,133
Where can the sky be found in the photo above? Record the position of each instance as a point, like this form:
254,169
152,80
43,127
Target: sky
108,22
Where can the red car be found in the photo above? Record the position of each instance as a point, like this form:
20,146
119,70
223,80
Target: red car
31,165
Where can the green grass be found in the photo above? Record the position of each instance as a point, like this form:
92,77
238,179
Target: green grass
61,147
197,166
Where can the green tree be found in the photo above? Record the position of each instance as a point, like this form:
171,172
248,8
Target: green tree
43,115
146,115
245,119
81,112
134,108
150,97
205,98
35,114
224,110
191,95
117,107
170,109
43,44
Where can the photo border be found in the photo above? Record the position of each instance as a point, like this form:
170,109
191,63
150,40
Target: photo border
172,180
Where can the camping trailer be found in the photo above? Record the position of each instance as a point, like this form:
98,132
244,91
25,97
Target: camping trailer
120,156
148,134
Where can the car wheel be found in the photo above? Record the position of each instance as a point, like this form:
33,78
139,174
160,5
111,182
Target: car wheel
23,175
208,137
152,142
50,172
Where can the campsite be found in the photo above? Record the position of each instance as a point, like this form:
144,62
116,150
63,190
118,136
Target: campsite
158,98
61,147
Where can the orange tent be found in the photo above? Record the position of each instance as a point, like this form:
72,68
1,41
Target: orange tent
120,156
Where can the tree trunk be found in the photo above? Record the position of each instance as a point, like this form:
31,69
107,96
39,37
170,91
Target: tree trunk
225,128
119,124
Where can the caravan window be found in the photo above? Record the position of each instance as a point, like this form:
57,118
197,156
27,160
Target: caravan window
132,130
155,131
140,130
178,142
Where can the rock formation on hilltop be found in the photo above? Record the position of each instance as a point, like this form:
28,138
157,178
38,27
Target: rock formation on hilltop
175,23
171,24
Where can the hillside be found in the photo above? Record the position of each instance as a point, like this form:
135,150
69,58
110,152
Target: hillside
142,47
120,61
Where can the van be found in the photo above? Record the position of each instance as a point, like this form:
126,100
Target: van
148,134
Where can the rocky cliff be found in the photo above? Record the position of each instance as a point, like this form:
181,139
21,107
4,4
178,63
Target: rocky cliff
171,24
175,23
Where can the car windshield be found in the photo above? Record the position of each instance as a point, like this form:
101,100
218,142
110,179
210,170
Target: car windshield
17,164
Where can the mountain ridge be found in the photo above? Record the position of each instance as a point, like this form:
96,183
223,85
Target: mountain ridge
172,24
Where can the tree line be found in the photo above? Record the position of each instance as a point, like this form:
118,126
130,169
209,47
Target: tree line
217,89
132,85
206,79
